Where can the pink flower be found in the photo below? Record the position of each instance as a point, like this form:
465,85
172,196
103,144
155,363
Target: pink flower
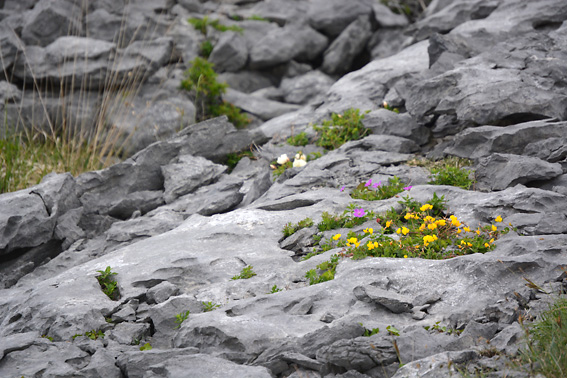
408,187
343,188
359,213
379,183
368,183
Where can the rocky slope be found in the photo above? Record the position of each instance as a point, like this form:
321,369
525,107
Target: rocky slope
478,79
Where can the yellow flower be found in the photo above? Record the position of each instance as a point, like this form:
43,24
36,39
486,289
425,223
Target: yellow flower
441,222
405,231
498,219
407,216
352,240
486,245
429,219
491,241
398,230
455,221
494,228
459,231
477,232
426,207
370,246
405,256
388,223
337,237
432,226
422,227
469,244
467,229
368,231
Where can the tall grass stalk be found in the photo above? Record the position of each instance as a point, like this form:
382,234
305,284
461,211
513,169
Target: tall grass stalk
66,141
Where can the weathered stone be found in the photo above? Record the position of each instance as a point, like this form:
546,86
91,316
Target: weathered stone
499,171
187,173
386,122
51,19
361,354
309,87
341,54
392,301
161,292
332,17
264,109
230,53
388,19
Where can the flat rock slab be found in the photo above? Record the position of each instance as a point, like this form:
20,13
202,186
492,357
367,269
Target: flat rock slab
391,300
499,171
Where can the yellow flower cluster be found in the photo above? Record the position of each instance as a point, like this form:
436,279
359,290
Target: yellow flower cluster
353,241
426,207
409,216
337,237
429,239
402,230
368,231
372,245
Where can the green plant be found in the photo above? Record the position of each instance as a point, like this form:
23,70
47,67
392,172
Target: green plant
146,346
94,334
300,139
202,79
209,306
232,159
181,317
386,106
206,49
369,332
545,350
365,190
258,18
351,217
245,273
290,228
442,329
448,171
201,25
47,337
275,289
340,129
393,330
107,283
327,271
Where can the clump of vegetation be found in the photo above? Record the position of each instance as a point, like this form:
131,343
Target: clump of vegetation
232,159
370,191
545,350
93,334
369,332
290,228
201,78
386,106
209,306
324,272
181,317
245,273
107,283
340,129
146,346
275,289
206,49
410,8
448,171
418,230
352,216
300,139
437,327
201,25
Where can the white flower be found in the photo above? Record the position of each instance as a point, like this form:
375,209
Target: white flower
300,157
282,159
299,163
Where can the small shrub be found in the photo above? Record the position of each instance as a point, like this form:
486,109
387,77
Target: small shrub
393,330
341,129
209,306
245,273
442,329
107,283
94,334
300,139
181,317
202,79
290,228
369,332
351,217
